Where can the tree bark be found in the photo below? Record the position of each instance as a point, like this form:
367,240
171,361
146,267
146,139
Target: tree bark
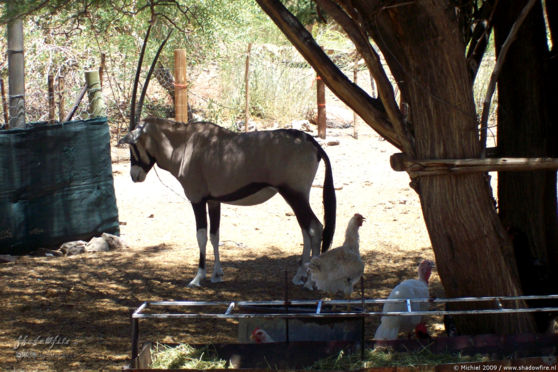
473,252
527,201
421,43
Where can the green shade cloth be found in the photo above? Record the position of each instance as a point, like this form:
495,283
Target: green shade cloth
56,185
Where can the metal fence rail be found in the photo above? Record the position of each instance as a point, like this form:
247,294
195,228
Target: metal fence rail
285,309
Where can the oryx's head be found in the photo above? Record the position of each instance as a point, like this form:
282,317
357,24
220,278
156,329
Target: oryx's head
140,158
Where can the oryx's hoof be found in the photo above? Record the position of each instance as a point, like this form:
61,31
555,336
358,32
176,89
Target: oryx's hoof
299,280
194,284
217,278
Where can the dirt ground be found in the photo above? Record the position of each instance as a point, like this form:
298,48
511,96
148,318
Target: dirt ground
73,313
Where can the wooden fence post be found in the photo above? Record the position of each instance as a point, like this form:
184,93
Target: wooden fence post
16,89
51,105
321,107
180,86
247,89
61,98
96,103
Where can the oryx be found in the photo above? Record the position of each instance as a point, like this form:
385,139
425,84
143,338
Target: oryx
215,165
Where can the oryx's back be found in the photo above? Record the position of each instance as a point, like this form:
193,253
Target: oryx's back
234,161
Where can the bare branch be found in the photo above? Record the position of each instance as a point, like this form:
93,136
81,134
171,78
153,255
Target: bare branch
480,36
369,109
372,60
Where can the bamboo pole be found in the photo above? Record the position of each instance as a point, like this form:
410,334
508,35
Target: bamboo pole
247,89
4,104
320,94
16,89
61,98
96,103
416,168
51,104
180,86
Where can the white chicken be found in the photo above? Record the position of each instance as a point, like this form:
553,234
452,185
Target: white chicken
259,336
390,326
339,269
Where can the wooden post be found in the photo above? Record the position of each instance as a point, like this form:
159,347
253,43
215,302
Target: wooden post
96,103
76,103
321,107
180,86
102,68
355,116
4,104
51,104
247,89
16,89
61,98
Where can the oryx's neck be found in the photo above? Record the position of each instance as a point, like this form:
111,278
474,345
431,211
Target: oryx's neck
166,145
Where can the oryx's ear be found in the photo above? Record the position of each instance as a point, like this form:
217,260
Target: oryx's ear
132,137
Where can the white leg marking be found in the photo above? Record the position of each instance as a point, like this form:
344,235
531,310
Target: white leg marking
315,238
199,277
201,235
217,271
301,272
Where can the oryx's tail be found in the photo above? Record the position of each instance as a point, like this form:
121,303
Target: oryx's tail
330,203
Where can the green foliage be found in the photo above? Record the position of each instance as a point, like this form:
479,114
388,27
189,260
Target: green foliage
66,38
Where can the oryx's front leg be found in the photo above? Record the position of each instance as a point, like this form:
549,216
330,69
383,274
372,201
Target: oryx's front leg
214,221
201,234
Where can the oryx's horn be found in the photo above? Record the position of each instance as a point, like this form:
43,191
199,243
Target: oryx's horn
149,73
133,117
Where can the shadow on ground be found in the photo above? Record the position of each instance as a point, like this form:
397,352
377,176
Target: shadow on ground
73,313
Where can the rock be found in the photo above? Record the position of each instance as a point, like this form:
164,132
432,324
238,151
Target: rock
97,244
303,125
114,242
73,248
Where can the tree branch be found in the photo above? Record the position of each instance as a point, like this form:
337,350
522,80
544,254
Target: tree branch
369,109
496,73
372,60
480,36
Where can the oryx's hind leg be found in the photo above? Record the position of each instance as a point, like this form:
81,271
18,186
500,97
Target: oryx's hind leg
311,232
201,234
214,209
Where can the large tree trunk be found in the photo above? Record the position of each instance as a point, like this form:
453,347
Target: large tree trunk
421,43
527,200
473,252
